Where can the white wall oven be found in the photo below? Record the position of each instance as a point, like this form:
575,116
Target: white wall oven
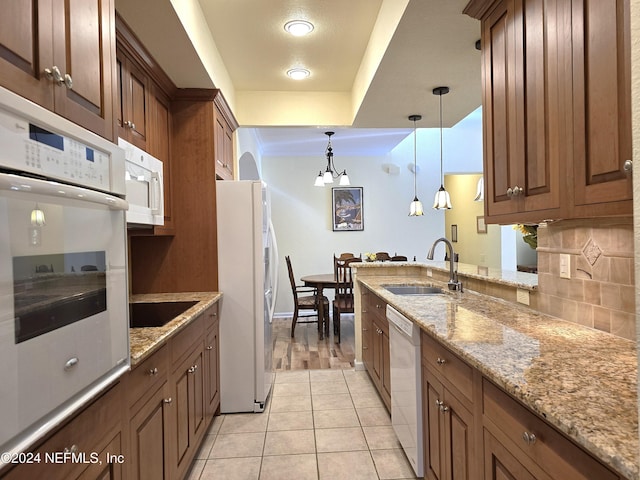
63,281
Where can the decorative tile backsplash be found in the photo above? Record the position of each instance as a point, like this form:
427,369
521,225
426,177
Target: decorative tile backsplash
601,291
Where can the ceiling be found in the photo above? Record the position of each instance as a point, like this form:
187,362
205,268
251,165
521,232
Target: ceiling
432,43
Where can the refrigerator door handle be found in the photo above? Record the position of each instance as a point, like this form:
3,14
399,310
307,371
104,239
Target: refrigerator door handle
274,270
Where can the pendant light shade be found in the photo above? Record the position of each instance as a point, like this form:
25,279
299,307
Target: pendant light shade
37,217
331,172
442,200
415,209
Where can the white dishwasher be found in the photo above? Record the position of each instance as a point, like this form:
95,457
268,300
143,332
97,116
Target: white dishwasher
406,391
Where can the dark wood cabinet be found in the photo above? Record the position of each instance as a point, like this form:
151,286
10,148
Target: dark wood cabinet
212,368
133,105
144,114
376,356
450,428
556,108
61,55
223,138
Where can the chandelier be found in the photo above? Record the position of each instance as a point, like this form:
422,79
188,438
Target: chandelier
331,173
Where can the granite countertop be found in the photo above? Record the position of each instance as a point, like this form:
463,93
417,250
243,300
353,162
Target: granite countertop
583,381
144,341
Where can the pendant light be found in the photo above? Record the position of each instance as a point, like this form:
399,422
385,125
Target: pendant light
331,172
415,209
442,199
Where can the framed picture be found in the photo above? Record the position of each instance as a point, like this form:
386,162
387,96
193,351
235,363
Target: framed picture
481,226
454,233
347,209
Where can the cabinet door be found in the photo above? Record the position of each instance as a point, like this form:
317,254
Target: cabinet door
459,439
110,465
189,410
26,49
212,373
602,104
133,115
499,464
524,127
377,353
84,49
386,368
150,439
219,139
367,341
434,455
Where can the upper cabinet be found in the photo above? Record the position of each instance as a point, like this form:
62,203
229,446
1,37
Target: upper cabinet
144,112
556,108
60,54
224,126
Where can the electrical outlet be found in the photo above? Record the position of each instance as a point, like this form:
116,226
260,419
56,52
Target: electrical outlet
522,296
429,272
565,265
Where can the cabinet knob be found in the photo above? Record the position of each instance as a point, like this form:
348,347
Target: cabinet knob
209,347
54,74
378,331
440,361
193,369
628,166
529,438
68,81
365,348
153,371
515,191
168,401
72,449
378,306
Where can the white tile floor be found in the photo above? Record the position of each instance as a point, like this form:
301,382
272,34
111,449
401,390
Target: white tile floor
318,424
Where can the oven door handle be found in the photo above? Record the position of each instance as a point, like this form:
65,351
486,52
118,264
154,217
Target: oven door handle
17,183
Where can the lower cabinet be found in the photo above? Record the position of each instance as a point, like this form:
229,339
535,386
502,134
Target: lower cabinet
212,368
474,429
375,344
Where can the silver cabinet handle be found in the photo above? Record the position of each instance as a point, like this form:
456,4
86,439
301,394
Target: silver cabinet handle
529,438
72,449
193,369
209,347
628,166
365,348
54,74
509,192
153,371
515,191
72,362
68,81
168,401
440,361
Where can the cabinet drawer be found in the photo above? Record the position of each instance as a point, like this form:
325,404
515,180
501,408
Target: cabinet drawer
450,369
211,316
374,305
85,435
527,436
146,375
184,340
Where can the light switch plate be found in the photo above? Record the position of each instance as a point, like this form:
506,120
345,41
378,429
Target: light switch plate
522,296
429,272
565,265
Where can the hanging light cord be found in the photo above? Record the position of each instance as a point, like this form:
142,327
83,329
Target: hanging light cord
441,174
415,164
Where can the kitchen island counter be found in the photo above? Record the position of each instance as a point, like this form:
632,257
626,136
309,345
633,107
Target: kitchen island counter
581,380
145,341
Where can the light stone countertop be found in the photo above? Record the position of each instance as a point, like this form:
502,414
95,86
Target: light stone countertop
144,341
583,381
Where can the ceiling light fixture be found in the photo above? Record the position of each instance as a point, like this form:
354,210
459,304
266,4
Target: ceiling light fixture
415,209
331,172
442,200
298,28
298,73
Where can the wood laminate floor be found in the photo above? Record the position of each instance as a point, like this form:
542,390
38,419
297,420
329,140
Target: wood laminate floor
306,352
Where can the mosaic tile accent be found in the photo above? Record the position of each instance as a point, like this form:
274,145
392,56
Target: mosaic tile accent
591,252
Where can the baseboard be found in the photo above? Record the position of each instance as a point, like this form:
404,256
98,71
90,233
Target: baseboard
359,366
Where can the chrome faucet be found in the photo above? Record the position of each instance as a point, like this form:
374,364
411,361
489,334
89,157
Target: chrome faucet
454,283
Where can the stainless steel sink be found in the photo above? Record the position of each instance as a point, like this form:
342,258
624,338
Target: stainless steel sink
413,289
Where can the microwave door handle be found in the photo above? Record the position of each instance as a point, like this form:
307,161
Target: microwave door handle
155,193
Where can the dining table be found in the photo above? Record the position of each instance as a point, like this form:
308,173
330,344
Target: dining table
320,281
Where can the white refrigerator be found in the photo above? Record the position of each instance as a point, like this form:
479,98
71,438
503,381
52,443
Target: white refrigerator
248,273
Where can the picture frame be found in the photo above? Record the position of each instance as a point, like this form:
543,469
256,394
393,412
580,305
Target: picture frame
481,227
454,233
346,209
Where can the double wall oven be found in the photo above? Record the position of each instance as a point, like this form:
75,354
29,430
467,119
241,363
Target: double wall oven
63,269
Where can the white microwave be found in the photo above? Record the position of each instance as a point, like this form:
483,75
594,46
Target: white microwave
144,187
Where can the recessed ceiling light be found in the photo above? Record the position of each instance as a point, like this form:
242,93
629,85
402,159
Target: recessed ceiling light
298,73
298,28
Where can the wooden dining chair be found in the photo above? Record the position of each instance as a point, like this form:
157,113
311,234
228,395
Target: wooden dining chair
341,258
305,302
382,257
343,301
